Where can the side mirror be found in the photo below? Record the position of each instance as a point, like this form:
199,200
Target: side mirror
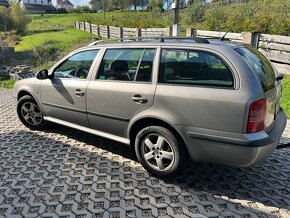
43,74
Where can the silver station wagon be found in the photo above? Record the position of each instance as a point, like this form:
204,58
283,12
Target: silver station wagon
171,99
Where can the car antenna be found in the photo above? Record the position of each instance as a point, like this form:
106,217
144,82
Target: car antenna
223,37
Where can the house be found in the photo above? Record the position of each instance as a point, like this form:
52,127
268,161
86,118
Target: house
37,6
66,4
4,3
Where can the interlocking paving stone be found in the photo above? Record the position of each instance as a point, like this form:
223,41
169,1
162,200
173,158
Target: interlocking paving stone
65,172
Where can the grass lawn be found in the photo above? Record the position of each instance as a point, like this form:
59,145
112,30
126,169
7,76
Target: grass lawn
52,22
286,96
7,83
66,39
53,31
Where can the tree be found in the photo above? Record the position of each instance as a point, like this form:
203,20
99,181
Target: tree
19,17
97,4
6,20
13,18
196,11
156,5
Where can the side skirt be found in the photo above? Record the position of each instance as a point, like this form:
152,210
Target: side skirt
88,130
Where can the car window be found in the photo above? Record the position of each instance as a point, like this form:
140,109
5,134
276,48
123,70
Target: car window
261,66
127,65
77,66
145,68
194,68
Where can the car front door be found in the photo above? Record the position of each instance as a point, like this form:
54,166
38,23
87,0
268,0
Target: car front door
64,95
123,87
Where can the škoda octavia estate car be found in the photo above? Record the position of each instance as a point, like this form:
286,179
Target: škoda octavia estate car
170,99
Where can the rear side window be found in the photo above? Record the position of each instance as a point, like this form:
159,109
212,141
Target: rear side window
127,65
261,66
190,67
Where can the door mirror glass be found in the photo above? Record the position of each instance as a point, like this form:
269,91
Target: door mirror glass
43,74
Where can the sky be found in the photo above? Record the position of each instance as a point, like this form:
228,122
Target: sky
77,2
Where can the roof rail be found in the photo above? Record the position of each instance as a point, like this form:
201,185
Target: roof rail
160,38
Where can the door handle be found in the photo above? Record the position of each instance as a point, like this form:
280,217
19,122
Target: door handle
139,99
79,93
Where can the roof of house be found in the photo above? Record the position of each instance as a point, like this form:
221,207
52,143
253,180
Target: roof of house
66,2
38,7
4,3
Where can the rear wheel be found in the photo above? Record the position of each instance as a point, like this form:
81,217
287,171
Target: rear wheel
30,114
159,151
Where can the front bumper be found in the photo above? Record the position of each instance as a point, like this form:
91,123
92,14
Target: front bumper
233,149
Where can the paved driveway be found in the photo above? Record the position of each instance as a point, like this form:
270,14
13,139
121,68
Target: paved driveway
63,172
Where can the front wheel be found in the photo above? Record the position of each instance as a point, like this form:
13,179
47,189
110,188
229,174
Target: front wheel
29,113
159,151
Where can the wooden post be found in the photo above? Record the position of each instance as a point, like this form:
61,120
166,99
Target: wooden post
90,27
247,38
251,39
190,32
169,31
108,32
255,40
138,32
84,26
98,30
121,33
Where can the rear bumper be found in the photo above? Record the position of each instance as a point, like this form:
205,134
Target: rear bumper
233,149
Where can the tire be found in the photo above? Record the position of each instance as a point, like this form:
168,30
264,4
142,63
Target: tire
159,151
30,114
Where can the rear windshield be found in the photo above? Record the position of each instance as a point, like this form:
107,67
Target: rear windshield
261,66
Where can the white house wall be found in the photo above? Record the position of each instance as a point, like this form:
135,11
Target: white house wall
40,2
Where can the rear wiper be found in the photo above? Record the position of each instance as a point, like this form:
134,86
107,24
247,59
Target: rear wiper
280,77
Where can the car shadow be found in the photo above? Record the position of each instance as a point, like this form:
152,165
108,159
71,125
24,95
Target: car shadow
266,183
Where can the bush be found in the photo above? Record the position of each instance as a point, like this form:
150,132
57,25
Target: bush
129,19
13,19
7,83
264,16
196,12
48,52
80,9
6,21
20,19
10,39
215,19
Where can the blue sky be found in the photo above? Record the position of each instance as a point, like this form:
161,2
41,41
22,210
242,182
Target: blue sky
77,2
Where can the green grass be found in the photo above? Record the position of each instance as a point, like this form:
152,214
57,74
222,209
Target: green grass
66,39
117,18
54,30
9,83
286,96
51,22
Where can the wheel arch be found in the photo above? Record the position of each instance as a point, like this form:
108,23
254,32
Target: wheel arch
23,93
151,121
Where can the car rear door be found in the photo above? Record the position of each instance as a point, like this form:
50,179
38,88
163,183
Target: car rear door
64,96
124,86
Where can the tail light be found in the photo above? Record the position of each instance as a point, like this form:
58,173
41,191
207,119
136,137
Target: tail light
256,119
